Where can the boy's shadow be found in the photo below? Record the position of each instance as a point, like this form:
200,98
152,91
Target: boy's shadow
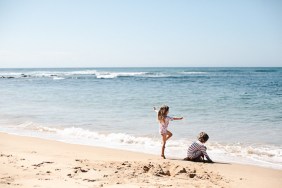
221,163
205,161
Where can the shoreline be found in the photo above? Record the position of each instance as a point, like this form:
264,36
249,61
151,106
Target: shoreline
263,164
35,162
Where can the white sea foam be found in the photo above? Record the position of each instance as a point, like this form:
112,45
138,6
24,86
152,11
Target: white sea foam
58,78
83,72
56,75
29,125
158,75
118,74
193,72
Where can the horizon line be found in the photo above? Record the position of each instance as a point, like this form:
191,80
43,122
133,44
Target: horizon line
141,67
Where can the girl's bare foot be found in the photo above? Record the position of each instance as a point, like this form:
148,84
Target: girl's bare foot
163,156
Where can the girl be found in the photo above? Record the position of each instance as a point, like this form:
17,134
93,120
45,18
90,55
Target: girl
164,119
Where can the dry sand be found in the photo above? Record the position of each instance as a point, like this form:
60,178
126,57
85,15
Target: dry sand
33,162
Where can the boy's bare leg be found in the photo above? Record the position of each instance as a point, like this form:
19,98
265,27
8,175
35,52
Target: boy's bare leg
200,158
187,159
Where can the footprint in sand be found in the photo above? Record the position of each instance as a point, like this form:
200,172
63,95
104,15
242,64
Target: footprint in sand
3,155
80,169
69,175
183,171
42,163
89,180
192,175
81,160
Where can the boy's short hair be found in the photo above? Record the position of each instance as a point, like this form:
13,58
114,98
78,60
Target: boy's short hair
203,137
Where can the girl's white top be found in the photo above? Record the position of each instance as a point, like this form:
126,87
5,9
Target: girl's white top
164,125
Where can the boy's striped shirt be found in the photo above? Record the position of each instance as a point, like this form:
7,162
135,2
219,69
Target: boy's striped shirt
197,146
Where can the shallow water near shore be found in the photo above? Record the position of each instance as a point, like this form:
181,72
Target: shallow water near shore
240,109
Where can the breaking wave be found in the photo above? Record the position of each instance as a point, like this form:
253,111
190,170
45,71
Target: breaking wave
60,75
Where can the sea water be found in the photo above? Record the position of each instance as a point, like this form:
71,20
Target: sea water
240,109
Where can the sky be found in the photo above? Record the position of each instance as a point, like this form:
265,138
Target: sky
140,33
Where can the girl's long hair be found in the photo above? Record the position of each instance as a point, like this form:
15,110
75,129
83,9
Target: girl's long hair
162,113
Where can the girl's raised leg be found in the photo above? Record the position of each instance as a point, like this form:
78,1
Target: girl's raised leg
168,135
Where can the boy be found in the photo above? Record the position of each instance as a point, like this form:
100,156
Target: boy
197,151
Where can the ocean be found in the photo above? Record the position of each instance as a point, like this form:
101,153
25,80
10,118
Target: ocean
239,108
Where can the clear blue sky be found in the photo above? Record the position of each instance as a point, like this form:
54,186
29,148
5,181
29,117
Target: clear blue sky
65,33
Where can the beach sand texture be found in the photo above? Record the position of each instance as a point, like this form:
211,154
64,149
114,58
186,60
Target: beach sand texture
33,162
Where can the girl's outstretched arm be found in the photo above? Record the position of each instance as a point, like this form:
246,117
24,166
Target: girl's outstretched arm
177,118
155,109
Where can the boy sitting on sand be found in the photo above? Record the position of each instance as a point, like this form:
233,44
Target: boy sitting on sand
197,151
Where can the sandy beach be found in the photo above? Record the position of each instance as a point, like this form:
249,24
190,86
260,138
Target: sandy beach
33,162
116,94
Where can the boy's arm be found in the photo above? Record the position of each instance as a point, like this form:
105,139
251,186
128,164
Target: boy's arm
206,155
209,160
